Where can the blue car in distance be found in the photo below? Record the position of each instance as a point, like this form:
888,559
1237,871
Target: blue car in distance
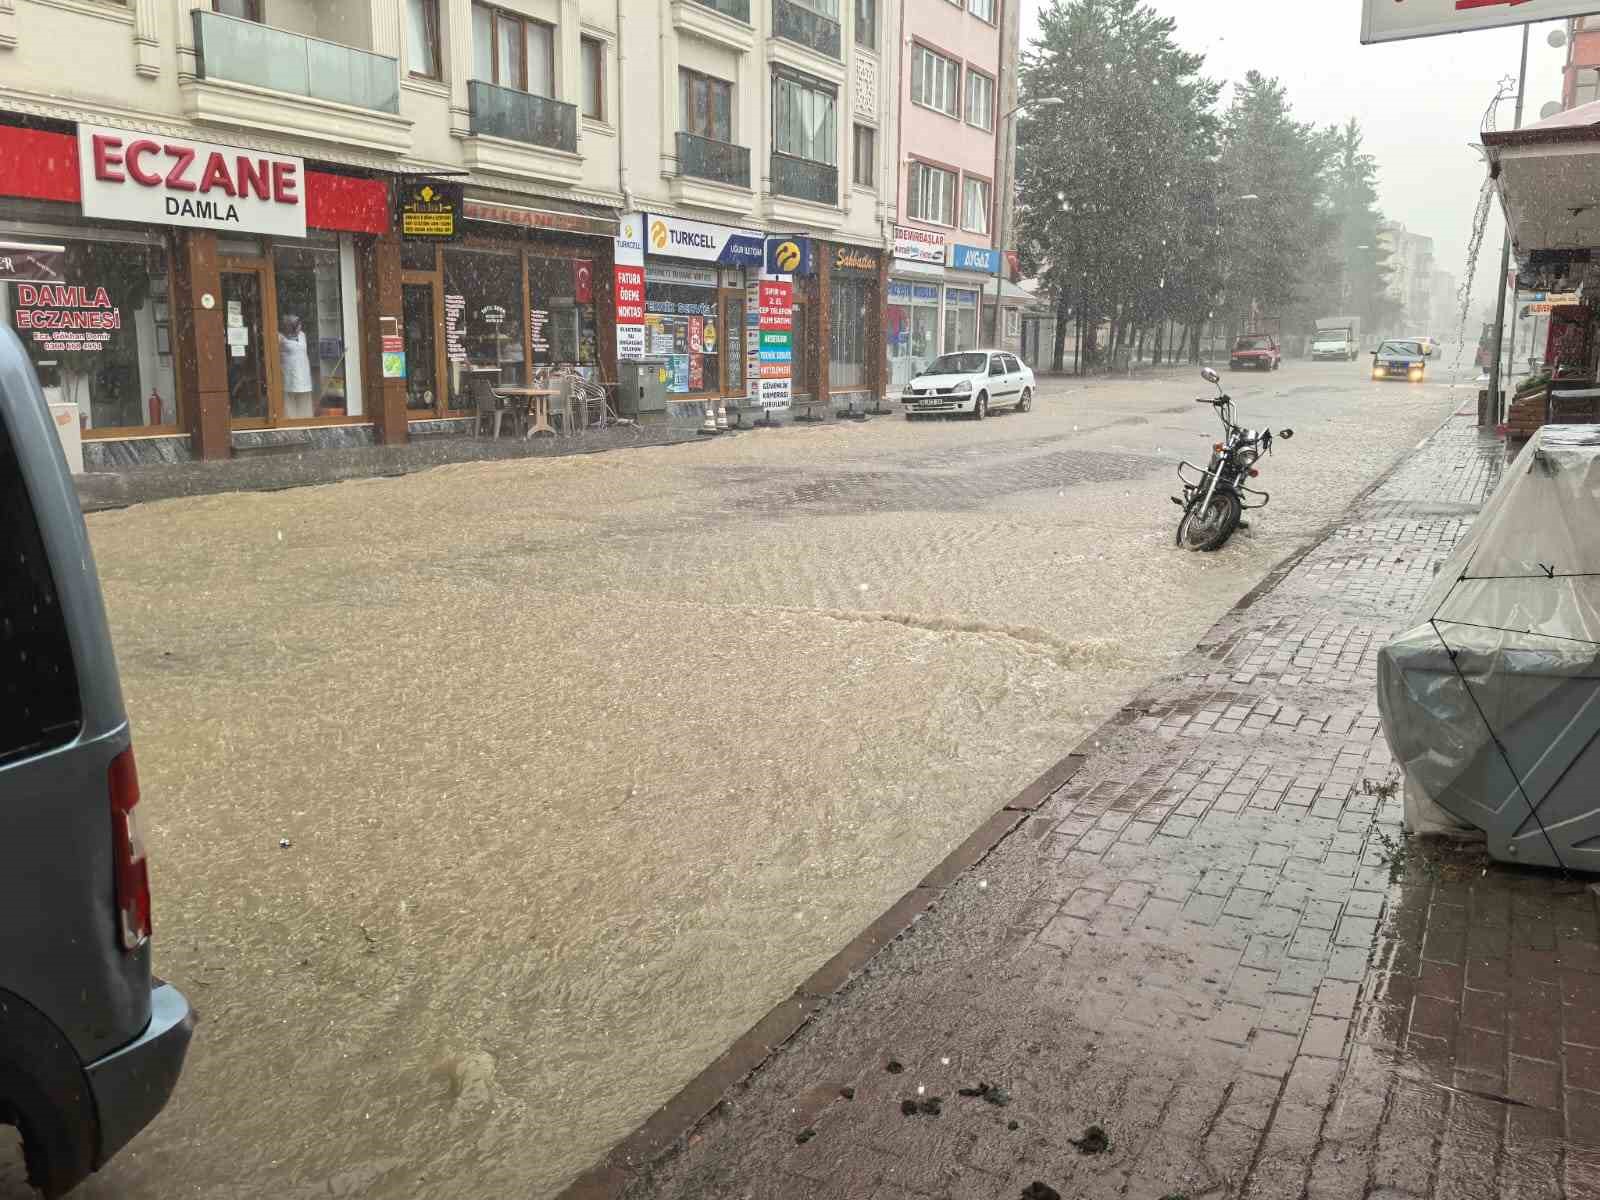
1401,358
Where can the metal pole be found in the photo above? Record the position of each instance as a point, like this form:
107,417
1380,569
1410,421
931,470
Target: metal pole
1495,396
1003,207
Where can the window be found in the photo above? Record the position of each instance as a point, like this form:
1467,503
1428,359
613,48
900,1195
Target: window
310,340
249,10
960,320
850,315
681,326
705,105
1586,86
935,80
593,53
422,19
912,329
826,8
980,100
982,9
865,172
931,194
803,120
867,24
975,205
513,52
484,292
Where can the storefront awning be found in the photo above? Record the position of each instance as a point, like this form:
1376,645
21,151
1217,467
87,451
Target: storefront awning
1548,177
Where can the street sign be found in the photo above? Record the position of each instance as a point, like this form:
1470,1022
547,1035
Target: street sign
1396,20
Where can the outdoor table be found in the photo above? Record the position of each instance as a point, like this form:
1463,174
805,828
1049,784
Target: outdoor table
541,406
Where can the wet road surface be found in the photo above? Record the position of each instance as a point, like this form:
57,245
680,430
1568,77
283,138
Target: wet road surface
585,763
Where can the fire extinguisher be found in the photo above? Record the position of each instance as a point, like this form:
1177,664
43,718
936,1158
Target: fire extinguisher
155,407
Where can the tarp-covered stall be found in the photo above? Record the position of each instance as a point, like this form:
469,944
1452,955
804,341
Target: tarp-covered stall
1491,703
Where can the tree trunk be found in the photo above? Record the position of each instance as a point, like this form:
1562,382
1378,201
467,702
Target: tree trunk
1138,349
1058,358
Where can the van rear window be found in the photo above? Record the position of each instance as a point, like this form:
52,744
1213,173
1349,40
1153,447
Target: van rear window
39,706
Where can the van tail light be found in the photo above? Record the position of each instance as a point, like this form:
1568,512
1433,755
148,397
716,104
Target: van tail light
128,859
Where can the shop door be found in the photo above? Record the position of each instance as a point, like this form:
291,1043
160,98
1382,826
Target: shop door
800,351
420,318
252,376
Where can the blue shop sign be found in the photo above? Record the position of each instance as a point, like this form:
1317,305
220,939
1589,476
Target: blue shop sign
789,256
975,258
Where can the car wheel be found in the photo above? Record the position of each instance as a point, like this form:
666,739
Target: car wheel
1026,403
980,410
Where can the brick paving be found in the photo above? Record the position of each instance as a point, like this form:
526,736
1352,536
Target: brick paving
1214,942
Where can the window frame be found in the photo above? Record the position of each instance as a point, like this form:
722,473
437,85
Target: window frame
914,193
867,24
988,205
430,22
688,77
972,7
807,86
585,41
857,129
253,5
504,16
966,100
919,79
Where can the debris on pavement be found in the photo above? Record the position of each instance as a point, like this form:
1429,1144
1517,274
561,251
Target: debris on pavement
283,843
1040,1191
893,1067
804,1136
933,1106
992,1093
1093,1141
848,1093
1013,1126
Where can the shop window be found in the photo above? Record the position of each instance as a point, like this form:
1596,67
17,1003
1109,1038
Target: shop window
960,320
423,26
561,322
483,291
682,325
913,329
705,105
311,346
931,194
101,336
512,51
850,313
592,51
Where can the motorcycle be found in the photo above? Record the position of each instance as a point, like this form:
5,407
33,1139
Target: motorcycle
1214,503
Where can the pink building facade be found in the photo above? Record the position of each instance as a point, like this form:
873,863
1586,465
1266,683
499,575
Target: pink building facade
956,82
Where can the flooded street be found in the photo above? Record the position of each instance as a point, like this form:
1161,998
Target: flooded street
582,764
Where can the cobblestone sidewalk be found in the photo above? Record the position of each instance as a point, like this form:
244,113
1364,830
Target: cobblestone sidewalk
1214,944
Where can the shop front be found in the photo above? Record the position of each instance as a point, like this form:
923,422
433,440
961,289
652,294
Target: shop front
855,291
697,277
512,297
182,294
914,303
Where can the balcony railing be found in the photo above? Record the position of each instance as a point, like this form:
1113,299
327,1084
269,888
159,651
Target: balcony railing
797,23
522,116
739,10
241,51
804,179
707,158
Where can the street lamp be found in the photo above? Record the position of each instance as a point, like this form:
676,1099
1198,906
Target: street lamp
1008,152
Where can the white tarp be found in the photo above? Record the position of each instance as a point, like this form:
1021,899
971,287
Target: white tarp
1393,20
1491,703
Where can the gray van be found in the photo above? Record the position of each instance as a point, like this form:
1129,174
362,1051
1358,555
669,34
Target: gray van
90,1044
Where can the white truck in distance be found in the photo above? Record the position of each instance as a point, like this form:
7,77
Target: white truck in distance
1337,339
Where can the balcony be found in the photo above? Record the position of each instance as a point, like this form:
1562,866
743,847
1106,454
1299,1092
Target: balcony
521,134
259,77
802,179
796,23
739,10
712,174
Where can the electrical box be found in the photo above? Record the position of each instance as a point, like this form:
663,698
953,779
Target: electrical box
642,387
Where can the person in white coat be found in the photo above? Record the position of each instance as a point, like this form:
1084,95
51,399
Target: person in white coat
297,384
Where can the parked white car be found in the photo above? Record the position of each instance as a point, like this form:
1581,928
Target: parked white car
974,382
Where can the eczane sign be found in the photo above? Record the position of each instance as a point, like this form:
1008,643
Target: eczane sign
1395,20
127,176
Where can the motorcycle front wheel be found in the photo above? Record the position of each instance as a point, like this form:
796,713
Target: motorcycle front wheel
1208,525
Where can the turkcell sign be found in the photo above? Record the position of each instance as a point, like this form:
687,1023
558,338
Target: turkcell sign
128,176
700,241
974,258
1395,20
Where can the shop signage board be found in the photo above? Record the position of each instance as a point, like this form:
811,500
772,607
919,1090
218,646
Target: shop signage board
918,245
775,326
752,338
394,356
59,317
124,175
790,255
539,334
852,260
539,218
1395,20
428,210
627,288
974,258
701,241
455,307
34,262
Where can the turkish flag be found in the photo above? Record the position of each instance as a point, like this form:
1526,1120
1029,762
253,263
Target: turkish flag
583,281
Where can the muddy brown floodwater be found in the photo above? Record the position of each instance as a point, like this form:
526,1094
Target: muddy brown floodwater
584,763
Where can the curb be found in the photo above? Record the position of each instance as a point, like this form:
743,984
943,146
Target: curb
617,1170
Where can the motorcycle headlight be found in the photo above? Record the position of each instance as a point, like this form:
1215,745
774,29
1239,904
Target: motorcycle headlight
963,388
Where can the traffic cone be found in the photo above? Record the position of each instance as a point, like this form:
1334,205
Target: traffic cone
722,417
708,427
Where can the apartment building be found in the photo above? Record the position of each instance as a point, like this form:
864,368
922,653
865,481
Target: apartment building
1580,80
1411,275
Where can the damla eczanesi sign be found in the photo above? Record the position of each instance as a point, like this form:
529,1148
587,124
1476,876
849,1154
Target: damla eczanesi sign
128,176
1393,20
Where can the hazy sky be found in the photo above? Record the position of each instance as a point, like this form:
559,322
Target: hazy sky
1420,103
